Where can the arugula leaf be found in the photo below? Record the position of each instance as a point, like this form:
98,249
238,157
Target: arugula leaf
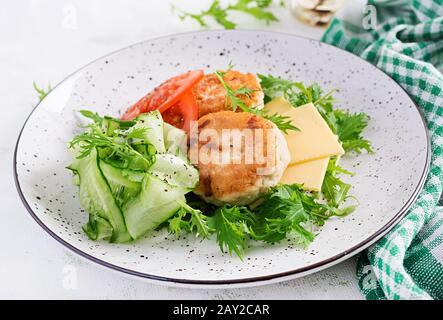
357,145
347,126
282,122
188,219
254,8
274,86
215,11
295,92
234,98
349,130
334,189
231,224
286,210
94,116
42,93
198,222
106,121
178,224
283,212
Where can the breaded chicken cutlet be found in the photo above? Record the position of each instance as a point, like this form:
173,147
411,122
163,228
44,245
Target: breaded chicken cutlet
240,182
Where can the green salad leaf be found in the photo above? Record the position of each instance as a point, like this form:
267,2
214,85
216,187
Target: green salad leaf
349,127
215,11
131,180
281,213
188,219
231,224
254,8
42,92
286,211
334,189
274,86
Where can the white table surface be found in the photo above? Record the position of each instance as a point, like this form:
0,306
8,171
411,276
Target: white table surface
43,41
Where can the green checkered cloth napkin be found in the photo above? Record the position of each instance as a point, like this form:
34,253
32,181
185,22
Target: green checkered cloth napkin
407,43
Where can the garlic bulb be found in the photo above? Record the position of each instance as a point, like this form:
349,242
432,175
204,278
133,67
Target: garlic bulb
315,12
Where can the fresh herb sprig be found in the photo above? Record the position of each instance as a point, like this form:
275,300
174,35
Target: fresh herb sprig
95,138
188,219
285,211
349,127
281,213
42,92
234,98
333,188
119,149
254,8
232,225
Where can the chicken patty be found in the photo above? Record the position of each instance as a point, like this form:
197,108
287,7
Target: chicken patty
211,96
240,157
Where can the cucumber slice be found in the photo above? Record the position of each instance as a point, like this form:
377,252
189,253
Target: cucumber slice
98,228
129,194
110,125
154,135
155,204
175,171
121,186
96,197
175,140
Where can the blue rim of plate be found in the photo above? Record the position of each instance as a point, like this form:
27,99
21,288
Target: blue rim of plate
251,280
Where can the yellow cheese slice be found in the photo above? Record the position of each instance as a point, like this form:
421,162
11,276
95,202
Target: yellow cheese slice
278,105
315,139
310,174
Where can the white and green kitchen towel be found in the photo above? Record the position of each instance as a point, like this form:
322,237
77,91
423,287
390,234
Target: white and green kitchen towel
404,38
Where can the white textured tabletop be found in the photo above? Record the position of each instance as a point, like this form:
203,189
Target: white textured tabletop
43,41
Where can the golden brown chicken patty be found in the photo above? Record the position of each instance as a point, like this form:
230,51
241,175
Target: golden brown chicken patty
211,96
241,172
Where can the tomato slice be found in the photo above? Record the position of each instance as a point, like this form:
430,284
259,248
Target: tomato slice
166,95
189,109
183,112
173,116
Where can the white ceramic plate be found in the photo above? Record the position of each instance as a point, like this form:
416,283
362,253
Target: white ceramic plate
386,183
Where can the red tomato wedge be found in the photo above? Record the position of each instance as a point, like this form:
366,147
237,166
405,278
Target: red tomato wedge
183,112
189,110
166,95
